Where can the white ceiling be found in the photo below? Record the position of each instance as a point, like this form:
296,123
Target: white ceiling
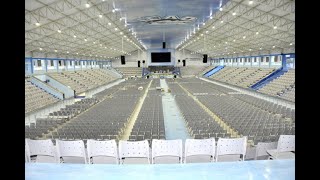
83,31
250,30
263,27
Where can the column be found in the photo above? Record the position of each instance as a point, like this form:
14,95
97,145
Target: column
284,62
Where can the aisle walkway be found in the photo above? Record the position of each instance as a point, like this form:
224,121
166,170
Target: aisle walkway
174,123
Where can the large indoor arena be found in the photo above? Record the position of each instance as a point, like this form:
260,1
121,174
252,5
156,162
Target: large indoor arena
159,89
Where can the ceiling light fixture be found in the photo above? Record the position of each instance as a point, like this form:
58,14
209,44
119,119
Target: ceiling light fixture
244,37
109,24
221,21
233,13
74,36
100,15
59,31
257,33
250,2
40,49
87,5
55,50
221,9
37,24
275,27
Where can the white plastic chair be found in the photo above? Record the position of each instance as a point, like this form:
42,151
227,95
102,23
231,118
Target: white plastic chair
134,149
97,150
66,149
232,146
262,147
199,147
285,146
43,149
165,148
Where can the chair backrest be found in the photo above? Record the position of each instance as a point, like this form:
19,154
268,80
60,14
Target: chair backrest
166,148
195,147
134,149
102,148
231,146
286,143
70,149
39,147
262,148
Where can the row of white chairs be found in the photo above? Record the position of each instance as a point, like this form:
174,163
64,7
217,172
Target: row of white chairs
98,150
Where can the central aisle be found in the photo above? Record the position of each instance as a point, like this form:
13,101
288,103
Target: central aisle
174,123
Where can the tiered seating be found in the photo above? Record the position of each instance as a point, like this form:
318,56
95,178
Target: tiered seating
84,80
254,77
206,69
226,73
241,76
279,86
289,95
36,98
130,71
88,84
186,71
66,80
97,76
149,124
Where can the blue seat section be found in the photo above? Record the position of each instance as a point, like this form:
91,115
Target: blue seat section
213,71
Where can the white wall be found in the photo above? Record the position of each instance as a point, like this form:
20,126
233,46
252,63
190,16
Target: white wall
132,60
191,59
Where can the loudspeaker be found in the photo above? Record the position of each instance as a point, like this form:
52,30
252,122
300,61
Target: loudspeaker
143,61
184,62
163,45
178,60
174,76
138,63
123,60
205,58
148,77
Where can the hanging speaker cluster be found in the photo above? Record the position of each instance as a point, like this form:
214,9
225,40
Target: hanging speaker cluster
163,45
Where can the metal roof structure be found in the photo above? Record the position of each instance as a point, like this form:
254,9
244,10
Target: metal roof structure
110,28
